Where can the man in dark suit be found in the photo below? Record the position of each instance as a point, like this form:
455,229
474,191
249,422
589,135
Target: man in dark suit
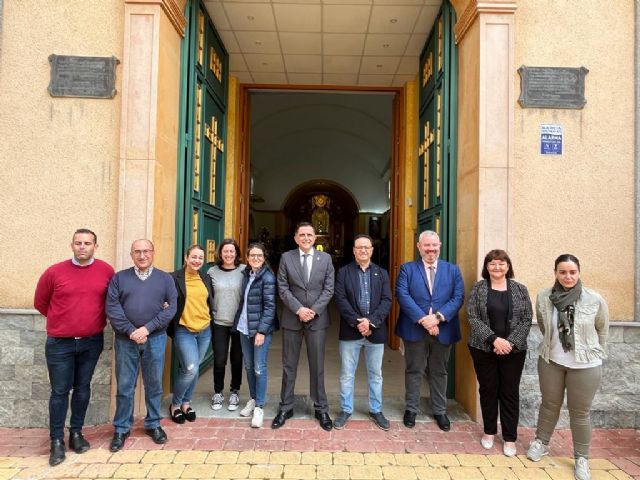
363,297
430,293
305,285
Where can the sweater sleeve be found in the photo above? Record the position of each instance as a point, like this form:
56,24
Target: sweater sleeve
164,317
119,321
43,293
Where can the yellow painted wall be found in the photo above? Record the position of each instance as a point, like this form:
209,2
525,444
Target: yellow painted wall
583,201
59,156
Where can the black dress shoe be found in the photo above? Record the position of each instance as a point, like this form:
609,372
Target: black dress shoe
324,420
281,418
77,443
57,452
117,442
157,435
409,419
443,422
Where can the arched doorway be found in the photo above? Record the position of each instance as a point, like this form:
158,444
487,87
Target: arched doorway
331,208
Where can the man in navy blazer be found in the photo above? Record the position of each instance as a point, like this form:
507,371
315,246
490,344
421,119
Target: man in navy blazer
363,298
430,293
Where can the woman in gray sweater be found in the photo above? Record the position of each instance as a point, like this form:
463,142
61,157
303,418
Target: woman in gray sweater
226,279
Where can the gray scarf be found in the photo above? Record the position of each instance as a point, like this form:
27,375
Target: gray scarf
565,301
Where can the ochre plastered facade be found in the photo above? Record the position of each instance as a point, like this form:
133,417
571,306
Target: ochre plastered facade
111,165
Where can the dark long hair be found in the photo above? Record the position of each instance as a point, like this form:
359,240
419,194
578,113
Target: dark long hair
228,241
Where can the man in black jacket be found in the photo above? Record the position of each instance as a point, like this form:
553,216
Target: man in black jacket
363,297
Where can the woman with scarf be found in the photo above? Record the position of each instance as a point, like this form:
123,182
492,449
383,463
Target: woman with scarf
574,321
499,314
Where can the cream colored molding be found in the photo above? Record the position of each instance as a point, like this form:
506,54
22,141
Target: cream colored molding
172,11
475,8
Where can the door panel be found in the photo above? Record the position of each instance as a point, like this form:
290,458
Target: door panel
201,167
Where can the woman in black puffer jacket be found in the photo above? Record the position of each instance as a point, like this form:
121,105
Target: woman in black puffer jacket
256,321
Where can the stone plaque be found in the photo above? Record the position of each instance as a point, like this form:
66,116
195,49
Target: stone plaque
92,77
552,87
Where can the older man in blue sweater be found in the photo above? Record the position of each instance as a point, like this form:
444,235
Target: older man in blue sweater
141,302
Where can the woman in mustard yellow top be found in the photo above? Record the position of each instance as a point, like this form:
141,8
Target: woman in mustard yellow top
191,330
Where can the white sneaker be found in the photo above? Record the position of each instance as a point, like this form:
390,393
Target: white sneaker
234,401
247,411
537,450
216,401
582,471
258,416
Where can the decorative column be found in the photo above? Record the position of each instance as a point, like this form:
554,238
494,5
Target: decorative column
486,44
153,32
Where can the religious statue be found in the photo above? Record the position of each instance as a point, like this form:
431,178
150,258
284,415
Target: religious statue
320,214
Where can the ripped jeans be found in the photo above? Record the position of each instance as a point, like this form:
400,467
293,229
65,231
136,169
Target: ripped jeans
190,347
255,364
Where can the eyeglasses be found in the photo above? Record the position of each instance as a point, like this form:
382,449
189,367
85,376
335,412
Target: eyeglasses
497,265
146,253
256,255
363,248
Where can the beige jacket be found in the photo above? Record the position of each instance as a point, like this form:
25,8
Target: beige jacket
591,325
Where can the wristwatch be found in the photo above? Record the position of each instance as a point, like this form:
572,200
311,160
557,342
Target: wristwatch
439,317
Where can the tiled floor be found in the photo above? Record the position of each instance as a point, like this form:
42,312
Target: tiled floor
225,448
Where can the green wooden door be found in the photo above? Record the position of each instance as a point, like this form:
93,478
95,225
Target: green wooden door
437,148
203,122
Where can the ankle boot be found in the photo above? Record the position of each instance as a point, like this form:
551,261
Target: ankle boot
77,443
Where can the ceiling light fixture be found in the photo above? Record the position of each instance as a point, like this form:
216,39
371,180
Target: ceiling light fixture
251,17
379,65
393,20
258,42
385,45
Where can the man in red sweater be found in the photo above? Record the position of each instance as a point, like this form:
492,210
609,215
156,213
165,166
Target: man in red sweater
71,294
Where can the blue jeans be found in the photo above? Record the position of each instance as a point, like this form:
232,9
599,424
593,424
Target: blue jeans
190,347
71,364
255,363
129,357
350,352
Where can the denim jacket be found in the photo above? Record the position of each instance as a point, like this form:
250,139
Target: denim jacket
591,325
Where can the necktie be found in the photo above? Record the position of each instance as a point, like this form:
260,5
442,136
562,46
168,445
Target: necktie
432,276
305,268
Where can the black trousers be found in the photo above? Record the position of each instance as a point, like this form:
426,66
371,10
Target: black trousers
499,380
222,336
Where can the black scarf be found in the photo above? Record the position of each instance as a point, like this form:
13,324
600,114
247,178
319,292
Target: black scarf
565,301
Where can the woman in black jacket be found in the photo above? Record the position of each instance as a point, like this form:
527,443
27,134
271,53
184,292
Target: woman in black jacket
190,330
256,321
499,313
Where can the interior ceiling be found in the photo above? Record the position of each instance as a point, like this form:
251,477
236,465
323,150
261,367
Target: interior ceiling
324,42
307,138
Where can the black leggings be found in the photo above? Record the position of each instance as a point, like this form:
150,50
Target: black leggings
222,336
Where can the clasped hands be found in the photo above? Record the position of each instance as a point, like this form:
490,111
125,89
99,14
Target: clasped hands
306,314
364,327
430,324
139,335
502,346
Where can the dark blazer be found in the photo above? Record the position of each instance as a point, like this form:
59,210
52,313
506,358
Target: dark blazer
346,298
262,316
316,294
181,287
412,293
481,335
